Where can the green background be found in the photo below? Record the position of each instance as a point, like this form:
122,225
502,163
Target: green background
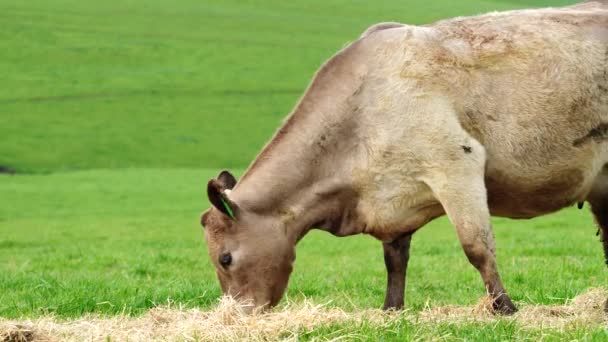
115,114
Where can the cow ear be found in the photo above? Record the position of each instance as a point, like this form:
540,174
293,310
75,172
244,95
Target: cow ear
204,217
219,199
227,179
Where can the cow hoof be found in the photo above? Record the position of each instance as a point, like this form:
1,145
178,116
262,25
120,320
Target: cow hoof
606,306
392,307
504,306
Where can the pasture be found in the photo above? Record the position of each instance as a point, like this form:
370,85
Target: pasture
113,116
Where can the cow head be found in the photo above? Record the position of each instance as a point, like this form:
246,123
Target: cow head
252,255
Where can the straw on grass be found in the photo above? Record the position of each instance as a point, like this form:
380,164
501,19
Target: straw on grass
229,322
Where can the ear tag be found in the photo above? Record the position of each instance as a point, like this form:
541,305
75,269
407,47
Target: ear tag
228,209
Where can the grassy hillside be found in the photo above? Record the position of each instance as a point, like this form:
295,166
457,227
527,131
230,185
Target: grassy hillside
143,101
189,83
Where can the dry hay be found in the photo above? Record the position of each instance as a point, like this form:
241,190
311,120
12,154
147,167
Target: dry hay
584,310
229,322
226,322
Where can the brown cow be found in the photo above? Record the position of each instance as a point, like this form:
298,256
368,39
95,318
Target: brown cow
502,114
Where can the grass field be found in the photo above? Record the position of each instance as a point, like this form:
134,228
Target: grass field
115,114
153,83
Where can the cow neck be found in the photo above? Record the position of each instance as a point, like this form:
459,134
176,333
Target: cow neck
302,179
302,176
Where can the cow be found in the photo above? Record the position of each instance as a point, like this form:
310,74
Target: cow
503,114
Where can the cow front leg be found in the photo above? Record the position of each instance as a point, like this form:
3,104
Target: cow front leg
464,201
396,256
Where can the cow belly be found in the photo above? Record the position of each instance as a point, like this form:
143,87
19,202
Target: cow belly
515,197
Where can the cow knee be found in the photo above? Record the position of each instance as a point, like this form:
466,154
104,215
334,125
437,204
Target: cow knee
477,254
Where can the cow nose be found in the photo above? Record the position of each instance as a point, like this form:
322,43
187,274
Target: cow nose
247,309
251,308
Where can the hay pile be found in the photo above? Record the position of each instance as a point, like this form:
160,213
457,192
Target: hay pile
585,310
229,322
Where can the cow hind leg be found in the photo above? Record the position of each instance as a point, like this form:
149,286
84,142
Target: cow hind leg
396,256
600,212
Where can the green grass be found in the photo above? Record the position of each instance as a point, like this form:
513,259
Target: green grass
402,330
111,241
121,111
157,83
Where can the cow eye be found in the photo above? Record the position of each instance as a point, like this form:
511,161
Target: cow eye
225,260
